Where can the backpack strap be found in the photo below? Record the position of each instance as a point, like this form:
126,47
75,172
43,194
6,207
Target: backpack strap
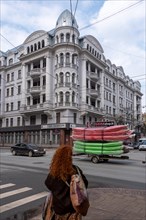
67,183
78,172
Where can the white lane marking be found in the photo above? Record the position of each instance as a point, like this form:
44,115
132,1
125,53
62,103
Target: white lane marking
23,201
13,192
6,185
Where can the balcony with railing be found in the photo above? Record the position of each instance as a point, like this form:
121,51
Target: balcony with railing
35,90
91,109
40,107
93,76
36,72
66,105
94,93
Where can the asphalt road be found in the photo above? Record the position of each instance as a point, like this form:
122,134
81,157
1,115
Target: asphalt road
26,176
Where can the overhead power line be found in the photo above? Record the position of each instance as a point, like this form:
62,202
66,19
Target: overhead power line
93,24
111,15
7,40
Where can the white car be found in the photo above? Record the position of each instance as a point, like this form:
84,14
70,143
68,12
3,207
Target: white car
142,145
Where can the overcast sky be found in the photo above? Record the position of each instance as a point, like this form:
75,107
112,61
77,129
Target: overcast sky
118,25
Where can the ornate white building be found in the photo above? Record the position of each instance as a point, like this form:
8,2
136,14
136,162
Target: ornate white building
57,80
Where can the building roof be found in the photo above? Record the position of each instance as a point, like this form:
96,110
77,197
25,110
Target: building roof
66,19
2,54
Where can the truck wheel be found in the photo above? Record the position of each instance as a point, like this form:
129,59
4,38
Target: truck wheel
95,159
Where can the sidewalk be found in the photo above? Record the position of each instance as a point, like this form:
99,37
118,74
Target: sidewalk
115,204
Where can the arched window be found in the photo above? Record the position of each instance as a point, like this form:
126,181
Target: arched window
67,77
61,97
27,49
61,59
35,47
39,45
73,78
87,46
61,38
67,37
43,43
67,58
11,61
61,78
67,95
31,48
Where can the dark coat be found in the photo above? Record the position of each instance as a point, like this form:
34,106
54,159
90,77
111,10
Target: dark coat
61,193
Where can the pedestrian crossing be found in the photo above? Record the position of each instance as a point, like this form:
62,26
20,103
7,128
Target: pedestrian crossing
11,190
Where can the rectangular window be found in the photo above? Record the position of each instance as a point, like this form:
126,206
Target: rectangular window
106,95
12,91
18,105
44,62
44,80
33,120
19,74
44,98
8,92
110,97
8,77
114,99
7,107
114,87
28,84
84,120
11,122
19,89
44,119
12,76
75,118
28,100
11,106
18,121
106,109
58,117
7,122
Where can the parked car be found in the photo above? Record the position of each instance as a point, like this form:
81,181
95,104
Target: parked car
142,145
28,149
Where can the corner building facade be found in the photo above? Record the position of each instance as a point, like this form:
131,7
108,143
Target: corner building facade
57,80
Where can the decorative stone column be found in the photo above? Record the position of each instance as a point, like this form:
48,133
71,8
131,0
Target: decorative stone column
83,80
23,85
48,78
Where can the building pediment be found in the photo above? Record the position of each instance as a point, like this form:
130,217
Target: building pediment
95,42
34,35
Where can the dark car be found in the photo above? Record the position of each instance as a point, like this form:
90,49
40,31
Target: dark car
27,149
